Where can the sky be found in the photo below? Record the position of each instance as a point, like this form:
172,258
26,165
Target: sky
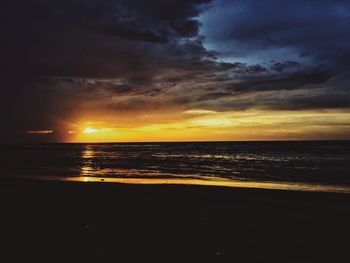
174,70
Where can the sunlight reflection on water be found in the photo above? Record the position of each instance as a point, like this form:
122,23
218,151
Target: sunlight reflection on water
309,166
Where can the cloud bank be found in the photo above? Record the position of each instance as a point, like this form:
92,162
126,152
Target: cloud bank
63,59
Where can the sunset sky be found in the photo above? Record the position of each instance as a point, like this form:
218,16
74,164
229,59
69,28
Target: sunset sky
174,70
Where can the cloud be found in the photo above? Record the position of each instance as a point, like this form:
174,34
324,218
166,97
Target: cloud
66,58
92,38
304,30
284,66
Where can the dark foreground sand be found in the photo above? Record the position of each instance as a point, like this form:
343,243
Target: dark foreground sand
100,222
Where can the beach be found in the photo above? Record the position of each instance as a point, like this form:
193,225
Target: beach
48,221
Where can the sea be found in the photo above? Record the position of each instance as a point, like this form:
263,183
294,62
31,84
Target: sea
285,165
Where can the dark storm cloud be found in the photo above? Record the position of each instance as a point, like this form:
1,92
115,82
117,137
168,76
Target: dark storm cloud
277,82
61,57
303,44
315,29
311,98
132,40
62,35
283,66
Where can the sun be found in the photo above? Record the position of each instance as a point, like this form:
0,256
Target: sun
89,130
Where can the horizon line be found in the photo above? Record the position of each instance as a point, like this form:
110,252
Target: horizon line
199,141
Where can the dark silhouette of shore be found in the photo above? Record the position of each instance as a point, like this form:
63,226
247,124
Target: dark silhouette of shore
103,222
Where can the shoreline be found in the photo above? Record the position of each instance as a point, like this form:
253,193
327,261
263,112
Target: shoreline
209,181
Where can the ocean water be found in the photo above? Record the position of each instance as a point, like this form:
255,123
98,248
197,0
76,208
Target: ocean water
292,165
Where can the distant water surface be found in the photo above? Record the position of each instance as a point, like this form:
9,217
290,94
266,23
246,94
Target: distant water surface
286,165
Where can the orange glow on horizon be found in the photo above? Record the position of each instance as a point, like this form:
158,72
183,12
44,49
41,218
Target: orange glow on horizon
203,125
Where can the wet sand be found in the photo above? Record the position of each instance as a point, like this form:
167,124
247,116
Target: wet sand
105,222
